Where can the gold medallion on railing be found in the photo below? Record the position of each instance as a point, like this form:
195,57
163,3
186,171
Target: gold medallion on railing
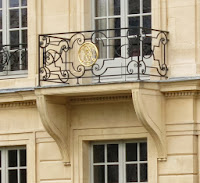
88,54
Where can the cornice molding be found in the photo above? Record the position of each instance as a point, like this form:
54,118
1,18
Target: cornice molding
18,104
101,99
181,94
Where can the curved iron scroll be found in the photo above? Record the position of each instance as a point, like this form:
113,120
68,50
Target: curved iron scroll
125,54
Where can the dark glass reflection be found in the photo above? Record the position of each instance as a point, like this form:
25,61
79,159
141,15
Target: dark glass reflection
143,173
113,174
146,6
24,2
14,18
114,7
12,158
134,6
22,153
98,153
131,152
114,23
100,8
14,3
134,24
12,176
99,174
112,152
131,173
23,176
147,24
24,17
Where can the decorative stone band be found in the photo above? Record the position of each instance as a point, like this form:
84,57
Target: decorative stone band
101,99
182,93
18,104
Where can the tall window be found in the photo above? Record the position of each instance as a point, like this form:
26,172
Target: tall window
13,165
115,14
119,162
13,35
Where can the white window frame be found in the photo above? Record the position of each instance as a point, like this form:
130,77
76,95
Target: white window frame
121,160
4,163
6,36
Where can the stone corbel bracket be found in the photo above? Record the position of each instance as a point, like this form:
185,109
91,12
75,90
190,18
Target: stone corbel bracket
149,107
54,116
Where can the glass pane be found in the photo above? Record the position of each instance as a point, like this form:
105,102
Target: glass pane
131,173
102,47
134,24
114,23
146,6
113,174
131,152
24,58
143,172
12,158
100,8
12,176
14,19
146,47
24,36
1,38
0,176
134,47
147,24
24,2
112,152
0,151
143,151
134,6
0,19
14,39
0,3
23,176
98,153
24,17
14,60
114,7
14,3
114,48
101,25
99,174
22,153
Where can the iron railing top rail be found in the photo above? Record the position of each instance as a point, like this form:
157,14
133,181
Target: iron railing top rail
101,30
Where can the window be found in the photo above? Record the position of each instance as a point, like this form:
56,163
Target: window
116,14
13,36
119,162
13,165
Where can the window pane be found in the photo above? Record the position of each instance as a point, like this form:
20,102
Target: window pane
0,151
146,47
0,19
24,2
14,19
22,157
134,47
146,6
143,151
114,7
101,25
131,173
14,39
0,3
114,23
0,176
14,3
147,24
114,48
102,47
23,176
113,174
134,24
24,58
24,17
24,36
143,172
112,152
98,153
134,6
99,174
12,158
12,176
100,6
14,60
131,152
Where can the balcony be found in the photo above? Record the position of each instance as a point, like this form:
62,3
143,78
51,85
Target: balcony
13,60
102,56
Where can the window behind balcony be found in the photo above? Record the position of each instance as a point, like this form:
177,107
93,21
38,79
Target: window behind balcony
13,36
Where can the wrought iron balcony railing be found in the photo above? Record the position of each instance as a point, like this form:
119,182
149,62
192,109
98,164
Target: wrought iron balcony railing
13,59
112,55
